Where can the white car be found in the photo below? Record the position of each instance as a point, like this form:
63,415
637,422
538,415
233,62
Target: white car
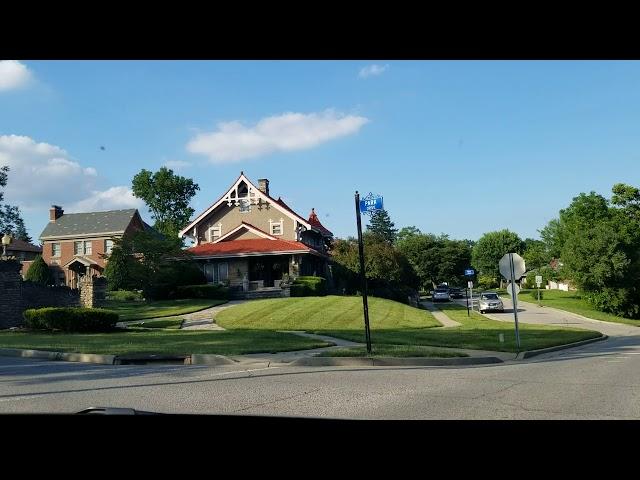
490,301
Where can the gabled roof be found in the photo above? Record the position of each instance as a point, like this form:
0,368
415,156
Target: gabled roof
279,205
90,223
248,227
18,245
254,246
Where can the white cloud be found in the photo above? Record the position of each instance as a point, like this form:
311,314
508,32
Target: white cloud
42,174
114,198
13,74
233,141
372,70
177,164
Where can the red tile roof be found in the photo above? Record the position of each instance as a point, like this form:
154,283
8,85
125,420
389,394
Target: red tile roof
254,245
315,222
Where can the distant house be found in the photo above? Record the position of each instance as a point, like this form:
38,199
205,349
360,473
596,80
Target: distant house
24,252
73,244
251,240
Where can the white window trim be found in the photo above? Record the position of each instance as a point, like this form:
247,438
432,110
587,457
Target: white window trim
53,255
106,251
84,247
81,250
210,230
280,224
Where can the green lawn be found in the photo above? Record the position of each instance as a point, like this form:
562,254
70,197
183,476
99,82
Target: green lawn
324,314
131,310
178,342
173,324
392,323
393,351
573,302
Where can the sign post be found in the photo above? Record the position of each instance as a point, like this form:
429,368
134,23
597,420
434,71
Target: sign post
538,283
369,204
512,267
469,273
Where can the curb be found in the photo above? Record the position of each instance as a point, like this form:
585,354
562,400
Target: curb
207,359
533,353
67,357
392,361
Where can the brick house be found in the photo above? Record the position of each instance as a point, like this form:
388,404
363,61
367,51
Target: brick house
73,243
24,252
251,240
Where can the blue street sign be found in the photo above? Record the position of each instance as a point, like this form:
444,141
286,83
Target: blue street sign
469,272
370,203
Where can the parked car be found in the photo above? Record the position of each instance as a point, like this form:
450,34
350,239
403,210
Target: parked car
490,301
456,292
441,294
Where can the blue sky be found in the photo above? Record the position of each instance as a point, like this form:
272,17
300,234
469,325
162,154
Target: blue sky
457,147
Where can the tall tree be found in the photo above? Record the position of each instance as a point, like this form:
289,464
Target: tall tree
39,272
407,232
491,247
382,227
10,219
535,254
167,195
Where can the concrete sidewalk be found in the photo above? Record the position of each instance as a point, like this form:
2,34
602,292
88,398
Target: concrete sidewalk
440,316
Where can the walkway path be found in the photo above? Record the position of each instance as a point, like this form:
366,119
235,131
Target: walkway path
440,316
203,320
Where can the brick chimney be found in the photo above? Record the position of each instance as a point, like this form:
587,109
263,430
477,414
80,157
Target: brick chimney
263,185
55,212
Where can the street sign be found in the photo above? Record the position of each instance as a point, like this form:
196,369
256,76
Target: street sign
469,273
538,280
509,289
469,284
518,266
371,203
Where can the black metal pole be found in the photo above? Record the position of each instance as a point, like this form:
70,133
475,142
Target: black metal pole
466,290
363,277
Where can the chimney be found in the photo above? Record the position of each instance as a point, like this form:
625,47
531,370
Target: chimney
55,212
263,185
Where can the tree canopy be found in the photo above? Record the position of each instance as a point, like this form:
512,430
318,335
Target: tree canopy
491,247
381,226
167,195
10,219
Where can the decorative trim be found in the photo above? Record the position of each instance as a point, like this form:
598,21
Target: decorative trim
248,227
255,195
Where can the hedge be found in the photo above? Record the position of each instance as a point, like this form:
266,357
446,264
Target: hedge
69,319
308,286
218,292
125,295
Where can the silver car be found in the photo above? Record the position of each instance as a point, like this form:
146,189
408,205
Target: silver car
490,301
441,295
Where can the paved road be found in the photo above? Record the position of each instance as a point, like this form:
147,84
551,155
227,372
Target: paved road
597,381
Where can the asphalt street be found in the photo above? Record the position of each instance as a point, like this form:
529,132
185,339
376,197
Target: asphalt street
596,381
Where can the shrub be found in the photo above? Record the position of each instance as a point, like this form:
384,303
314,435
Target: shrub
219,292
70,319
39,272
125,295
618,301
534,294
485,282
308,286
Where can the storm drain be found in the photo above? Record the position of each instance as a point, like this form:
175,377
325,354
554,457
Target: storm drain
153,360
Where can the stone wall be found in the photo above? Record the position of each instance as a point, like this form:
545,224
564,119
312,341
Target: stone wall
37,296
93,291
10,294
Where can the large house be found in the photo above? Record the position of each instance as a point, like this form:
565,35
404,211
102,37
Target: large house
251,240
73,244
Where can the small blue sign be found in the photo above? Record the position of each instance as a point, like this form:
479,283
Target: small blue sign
469,273
370,203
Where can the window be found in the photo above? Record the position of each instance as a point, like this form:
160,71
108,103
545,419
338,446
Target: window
245,205
55,249
108,246
78,248
215,231
276,228
87,248
216,272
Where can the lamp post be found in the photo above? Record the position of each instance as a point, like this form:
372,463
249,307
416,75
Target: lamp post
6,240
